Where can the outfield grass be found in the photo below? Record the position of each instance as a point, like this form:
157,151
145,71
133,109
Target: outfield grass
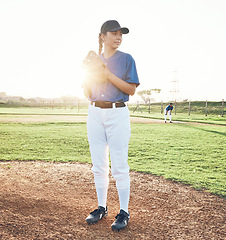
182,117
44,141
41,111
6,112
192,154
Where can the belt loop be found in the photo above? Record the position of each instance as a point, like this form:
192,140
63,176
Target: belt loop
113,105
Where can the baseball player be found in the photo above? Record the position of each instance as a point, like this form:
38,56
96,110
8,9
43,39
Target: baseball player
108,123
168,109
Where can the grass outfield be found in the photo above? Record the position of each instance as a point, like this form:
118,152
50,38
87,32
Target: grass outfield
182,117
192,154
6,112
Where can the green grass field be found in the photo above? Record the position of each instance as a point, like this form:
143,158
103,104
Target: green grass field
192,154
188,153
182,117
7,112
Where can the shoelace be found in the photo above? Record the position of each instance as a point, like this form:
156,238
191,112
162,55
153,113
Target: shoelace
120,217
96,211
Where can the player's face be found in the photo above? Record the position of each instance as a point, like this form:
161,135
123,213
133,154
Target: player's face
113,39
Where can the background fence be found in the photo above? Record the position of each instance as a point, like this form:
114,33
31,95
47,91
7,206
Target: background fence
75,104
196,107
191,107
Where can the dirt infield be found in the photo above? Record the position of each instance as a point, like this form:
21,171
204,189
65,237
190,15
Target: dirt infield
40,200
62,118
75,118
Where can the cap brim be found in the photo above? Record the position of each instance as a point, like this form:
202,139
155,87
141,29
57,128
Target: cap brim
123,30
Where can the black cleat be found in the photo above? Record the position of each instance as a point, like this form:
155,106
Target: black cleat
121,221
171,122
96,215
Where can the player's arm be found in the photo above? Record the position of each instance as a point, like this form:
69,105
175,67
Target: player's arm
128,88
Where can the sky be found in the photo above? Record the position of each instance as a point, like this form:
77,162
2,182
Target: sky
43,43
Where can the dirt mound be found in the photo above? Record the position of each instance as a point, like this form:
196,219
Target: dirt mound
42,200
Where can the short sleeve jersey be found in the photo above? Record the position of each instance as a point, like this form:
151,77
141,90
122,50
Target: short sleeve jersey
169,108
123,66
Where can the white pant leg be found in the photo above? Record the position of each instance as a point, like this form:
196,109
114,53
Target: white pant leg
118,132
98,147
165,112
170,117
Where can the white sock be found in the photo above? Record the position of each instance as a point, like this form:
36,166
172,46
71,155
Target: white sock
165,117
170,117
102,196
124,195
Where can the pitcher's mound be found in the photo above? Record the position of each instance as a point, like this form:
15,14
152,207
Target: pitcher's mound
42,200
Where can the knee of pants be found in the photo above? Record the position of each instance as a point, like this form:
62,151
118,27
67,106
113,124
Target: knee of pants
100,161
100,168
121,175
101,180
123,182
120,168
101,173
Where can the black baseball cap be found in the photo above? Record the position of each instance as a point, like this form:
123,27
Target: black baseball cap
113,26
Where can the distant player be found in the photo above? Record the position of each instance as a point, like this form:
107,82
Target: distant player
169,109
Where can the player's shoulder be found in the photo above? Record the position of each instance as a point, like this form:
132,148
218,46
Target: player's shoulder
122,53
127,56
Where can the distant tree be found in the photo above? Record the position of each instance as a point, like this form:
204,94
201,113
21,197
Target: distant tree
146,94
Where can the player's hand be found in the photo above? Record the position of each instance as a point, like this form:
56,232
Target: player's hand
96,71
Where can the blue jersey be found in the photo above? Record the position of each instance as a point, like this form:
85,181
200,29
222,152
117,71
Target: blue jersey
123,66
169,108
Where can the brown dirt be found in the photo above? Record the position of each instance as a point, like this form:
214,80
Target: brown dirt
62,118
75,118
41,118
40,200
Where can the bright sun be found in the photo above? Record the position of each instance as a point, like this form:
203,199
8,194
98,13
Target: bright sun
80,75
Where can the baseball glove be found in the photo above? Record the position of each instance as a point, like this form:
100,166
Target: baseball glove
95,68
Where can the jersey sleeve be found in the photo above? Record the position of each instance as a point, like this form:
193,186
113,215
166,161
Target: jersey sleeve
131,71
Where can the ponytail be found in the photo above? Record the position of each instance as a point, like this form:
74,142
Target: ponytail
100,44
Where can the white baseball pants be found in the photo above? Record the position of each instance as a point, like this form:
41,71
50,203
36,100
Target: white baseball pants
170,117
165,111
109,130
